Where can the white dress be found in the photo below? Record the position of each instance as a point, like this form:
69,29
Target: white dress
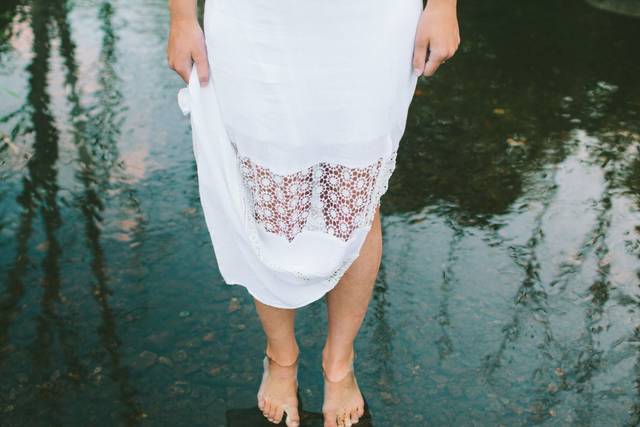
295,137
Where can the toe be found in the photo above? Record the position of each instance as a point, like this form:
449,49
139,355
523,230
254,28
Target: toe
261,402
354,417
277,414
272,412
340,420
293,418
266,409
329,419
346,420
360,410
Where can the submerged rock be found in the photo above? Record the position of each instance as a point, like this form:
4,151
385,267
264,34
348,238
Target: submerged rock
180,356
621,7
234,305
179,388
214,371
163,360
145,360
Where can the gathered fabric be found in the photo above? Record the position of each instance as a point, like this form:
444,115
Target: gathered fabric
296,135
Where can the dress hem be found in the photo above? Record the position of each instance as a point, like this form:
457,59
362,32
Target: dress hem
332,286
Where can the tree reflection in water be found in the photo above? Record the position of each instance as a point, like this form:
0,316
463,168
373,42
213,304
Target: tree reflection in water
95,131
508,292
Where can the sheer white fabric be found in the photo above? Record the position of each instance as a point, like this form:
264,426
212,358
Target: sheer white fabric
296,135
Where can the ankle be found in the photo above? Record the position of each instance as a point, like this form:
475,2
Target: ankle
339,354
283,356
337,363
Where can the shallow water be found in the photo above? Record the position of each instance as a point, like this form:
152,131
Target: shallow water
508,293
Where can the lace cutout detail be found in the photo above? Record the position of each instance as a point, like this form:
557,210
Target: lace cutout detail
281,203
345,195
332,198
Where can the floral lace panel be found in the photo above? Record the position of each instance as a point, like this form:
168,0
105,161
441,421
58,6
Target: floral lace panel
345,195
280,202
333,198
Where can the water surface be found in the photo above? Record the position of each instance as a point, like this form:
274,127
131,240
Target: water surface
508,293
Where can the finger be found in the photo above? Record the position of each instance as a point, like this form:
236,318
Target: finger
183,71
181,66
420,54
433,62
202,65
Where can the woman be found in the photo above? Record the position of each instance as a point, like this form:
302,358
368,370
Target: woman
296,122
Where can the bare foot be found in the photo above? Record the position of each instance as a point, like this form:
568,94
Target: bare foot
343,403
278,391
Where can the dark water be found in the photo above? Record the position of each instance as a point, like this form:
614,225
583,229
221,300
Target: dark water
508,293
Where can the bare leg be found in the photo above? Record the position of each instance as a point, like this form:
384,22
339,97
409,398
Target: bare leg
347,305
278,389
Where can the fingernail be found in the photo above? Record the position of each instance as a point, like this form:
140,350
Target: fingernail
417,72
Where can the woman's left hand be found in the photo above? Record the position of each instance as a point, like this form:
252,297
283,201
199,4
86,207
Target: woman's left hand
437,36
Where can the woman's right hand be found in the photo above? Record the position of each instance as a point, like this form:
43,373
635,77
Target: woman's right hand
187,45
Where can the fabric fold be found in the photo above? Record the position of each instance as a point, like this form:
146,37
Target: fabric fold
287,189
